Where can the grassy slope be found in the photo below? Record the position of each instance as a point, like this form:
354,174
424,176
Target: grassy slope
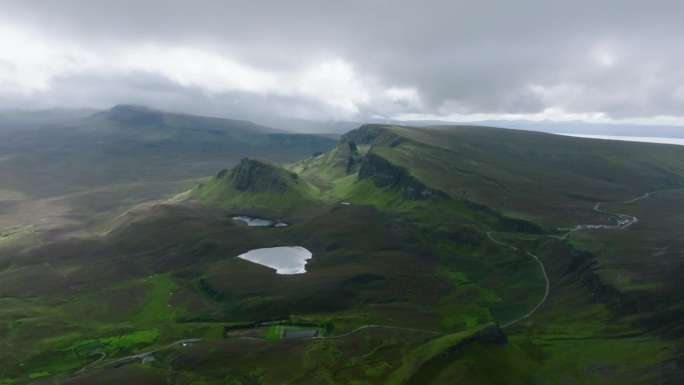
267,187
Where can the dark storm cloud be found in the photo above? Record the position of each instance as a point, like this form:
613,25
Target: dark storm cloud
373,57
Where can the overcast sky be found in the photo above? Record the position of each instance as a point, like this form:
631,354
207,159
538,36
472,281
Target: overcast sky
598,60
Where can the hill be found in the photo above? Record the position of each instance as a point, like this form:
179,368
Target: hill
134,144
258,184
474,255
29,119
142,120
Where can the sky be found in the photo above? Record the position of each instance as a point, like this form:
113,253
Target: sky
598,60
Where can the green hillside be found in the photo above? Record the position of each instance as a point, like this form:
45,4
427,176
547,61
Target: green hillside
255,184
441,255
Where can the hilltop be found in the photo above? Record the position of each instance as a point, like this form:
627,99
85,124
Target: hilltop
255,184
134,117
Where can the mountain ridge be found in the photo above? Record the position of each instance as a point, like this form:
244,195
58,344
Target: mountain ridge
136,115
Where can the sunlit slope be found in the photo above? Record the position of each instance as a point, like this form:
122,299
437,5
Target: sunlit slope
255,184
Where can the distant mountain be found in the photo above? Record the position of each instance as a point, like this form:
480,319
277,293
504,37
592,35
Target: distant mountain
559,127
309,126
22,119
131,116
566,127
137,144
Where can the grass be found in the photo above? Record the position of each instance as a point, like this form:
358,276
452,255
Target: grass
270,188
115,346
39,375
17,234
478,364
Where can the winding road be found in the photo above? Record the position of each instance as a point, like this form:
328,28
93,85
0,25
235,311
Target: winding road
135,356
543,269
623,221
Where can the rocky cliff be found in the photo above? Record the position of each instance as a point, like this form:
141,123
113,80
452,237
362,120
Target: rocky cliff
256,175
387,174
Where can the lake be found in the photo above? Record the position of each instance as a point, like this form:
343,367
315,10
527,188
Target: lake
259,222
285,259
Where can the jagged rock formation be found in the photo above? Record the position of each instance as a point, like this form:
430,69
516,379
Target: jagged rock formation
347,156
257,175
387,174
341,158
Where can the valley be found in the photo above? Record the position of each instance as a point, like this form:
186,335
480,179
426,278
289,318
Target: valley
439,255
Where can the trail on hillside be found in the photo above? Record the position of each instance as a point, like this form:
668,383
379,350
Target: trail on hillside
543,269
623,221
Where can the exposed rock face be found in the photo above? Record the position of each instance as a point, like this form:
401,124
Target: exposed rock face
375,134
387,174
258,176
341,158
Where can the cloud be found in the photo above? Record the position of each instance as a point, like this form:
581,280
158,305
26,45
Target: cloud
328,59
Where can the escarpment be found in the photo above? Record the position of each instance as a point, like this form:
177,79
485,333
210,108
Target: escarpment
387,174
375,134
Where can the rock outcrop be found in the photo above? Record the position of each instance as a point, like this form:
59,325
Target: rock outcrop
256,175
387,174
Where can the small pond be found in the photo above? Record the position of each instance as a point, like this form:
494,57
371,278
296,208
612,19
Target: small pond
286,259
258,222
